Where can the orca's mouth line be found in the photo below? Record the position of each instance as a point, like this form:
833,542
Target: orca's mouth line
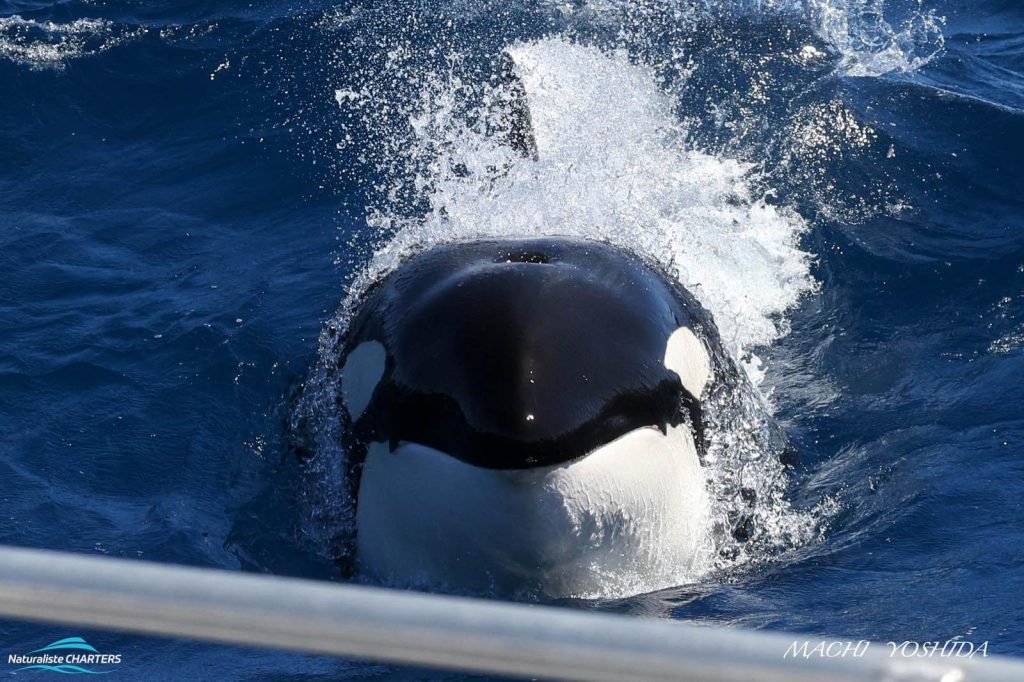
437,421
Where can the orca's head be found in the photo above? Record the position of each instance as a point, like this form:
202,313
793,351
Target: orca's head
513,355
477,370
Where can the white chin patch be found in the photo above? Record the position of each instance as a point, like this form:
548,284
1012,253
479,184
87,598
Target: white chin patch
686,356
629,518
363,370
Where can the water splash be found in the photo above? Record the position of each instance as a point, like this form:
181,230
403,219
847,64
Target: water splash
613,166
51,45
875,40
872,37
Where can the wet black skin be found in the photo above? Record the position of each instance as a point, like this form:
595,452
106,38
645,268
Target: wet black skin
520,354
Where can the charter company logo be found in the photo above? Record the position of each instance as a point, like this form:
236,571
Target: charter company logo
69,656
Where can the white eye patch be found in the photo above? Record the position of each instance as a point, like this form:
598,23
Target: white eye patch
363,370
686,356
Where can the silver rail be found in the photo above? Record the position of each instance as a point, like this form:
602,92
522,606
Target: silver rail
430,630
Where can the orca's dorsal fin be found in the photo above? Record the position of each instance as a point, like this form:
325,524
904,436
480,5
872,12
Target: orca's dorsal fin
511,121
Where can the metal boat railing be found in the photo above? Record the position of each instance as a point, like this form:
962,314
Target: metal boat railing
456,633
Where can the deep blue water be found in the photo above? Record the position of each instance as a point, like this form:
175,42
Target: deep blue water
177,223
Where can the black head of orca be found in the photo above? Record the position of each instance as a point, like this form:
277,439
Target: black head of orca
520,354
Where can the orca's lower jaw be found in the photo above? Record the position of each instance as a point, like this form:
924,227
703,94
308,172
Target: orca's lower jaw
629,517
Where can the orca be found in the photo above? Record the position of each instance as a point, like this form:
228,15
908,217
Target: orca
529,415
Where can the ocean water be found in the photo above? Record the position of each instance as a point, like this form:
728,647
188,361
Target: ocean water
192,194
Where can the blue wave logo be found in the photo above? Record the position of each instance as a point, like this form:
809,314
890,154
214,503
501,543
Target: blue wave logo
69,643
67,656
65,669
